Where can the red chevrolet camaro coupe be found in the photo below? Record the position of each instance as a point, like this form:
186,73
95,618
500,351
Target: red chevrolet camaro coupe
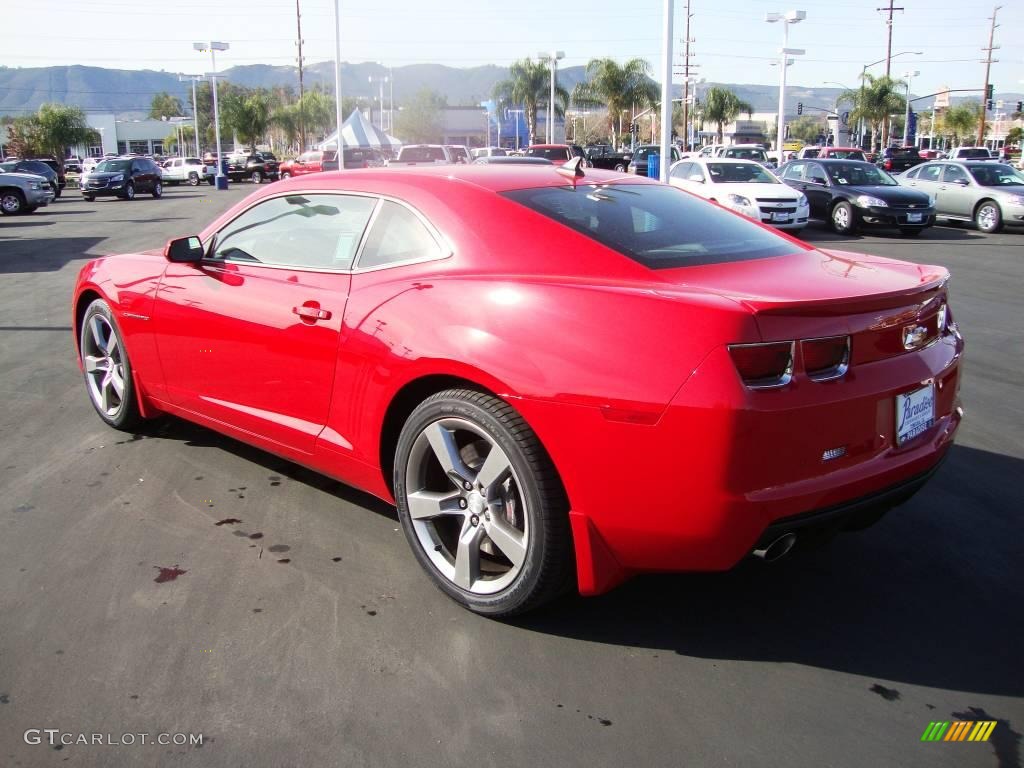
556,377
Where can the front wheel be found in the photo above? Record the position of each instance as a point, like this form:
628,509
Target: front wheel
988,218
843,218
285,175
256,178
108,372
193,179
11,202
481,504
129,191
620,168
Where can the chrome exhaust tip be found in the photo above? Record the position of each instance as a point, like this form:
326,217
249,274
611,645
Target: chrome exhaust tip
777,549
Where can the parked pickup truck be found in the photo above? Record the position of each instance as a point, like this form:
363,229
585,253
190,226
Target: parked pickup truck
603,156
898,159
255,167
971,153
185,170
423,154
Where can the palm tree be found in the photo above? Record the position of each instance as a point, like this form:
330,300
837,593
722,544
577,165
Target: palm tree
618,88
249,115
528,85
722,106
1015,135
286,119
874,101
960,121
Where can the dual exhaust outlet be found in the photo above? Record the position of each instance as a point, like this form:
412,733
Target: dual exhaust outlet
776,549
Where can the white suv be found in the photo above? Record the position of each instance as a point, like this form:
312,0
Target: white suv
184,169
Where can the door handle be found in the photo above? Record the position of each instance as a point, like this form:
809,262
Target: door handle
312,313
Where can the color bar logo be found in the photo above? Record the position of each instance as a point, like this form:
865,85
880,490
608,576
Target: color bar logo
959,730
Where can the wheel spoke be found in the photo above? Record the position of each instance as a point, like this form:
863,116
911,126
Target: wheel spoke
97,333
442,441
467,556
117,383
424,505
94,363
105,393
508,540
495,468
113,351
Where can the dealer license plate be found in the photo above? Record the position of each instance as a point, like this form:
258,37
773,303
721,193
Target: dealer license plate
780,217
915,413
913,217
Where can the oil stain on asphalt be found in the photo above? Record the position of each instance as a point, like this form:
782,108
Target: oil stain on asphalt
168,574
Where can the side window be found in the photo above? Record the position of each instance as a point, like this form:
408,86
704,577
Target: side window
795,171
310,231
816,174
912,173
681,170
136,167
397,236
930,173
954,173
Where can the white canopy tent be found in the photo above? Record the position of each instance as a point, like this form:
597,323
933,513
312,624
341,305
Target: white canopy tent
357,131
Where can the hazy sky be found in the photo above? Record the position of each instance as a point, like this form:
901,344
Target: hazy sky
733,43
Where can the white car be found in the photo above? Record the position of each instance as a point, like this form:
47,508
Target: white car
745,187
188,170
90,163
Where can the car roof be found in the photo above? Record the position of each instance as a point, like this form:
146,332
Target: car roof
838,161
721,161
491,177
841,149
548,146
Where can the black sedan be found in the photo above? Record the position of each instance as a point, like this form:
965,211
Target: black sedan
638,161
848,194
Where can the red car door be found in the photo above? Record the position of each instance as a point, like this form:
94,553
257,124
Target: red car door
249,337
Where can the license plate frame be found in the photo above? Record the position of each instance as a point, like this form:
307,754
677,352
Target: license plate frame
780,218
914,413
914,218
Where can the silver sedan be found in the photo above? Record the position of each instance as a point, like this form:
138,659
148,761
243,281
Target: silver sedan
989,194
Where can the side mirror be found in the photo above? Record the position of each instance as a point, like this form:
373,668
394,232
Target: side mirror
184,250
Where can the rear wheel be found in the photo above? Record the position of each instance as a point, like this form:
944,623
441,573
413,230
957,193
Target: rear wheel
193,179
481,504
11,202
108,372
129,191
285,175
987,217
843,218
619,167
158,190
88,198
256,177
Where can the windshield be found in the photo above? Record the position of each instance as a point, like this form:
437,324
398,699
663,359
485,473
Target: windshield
114,166
421,154
859,175
996,175
656,225
745,153
740,173
7,166
548,153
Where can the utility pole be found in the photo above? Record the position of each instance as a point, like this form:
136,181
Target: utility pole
888,65
686,80
988,68
302,122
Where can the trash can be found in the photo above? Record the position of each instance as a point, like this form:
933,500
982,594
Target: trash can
222,180
653,166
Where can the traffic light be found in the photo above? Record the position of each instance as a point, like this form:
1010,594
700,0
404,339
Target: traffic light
990,93
1020,106
799,107
989,105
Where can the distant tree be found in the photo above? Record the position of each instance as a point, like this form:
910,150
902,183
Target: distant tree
617,87
806,129
421,120
171,142
165,105
61,127
722,106
529,86
23,136
1015,135
960,121
878,98
318,112
248,114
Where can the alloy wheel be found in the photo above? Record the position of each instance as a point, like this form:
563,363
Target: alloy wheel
10,203
841,218
104,365
988,217
466,507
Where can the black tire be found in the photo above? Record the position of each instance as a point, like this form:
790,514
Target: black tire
127,417
620,168
911,231
129,191
56,192
285,176
256,177
12,202
548,566
158,190
842,218
988,217
89,198
193,179
212,180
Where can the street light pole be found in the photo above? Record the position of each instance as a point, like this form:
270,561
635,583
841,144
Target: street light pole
213,47
909,75
195,110
787,18
666,91
863,78
337,84
552,58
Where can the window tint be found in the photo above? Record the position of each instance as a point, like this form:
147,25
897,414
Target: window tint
930,173
312,231
397,236
658,226
816,174
739,173
954,173
912,173
860,175
554,154
681,170
996,175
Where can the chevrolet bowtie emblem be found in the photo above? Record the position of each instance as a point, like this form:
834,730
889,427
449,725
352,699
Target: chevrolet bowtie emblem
914,336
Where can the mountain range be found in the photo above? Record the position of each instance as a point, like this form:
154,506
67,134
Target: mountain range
128,91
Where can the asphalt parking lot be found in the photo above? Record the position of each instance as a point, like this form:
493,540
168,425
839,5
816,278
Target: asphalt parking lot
305,634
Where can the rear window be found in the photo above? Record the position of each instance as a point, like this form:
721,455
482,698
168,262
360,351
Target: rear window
846,154
902,152
549,153
964,153
658,226
745,154
421,154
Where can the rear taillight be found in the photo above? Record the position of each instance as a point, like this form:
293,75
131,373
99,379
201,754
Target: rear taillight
826,358
887,165
762,366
